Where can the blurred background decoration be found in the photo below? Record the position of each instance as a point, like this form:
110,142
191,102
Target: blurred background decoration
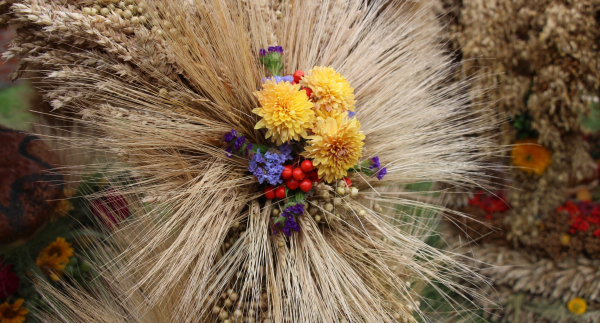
535,62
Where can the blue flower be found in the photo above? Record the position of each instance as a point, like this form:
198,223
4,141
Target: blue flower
375,163
258,157
288,79
267,169
262,52
286,150
351,114
381,173
228,152
239,142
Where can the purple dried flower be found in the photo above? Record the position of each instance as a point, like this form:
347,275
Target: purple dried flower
228,152
230,135
262,52
381,173
239,142
351,114
375,163
290,224
276,49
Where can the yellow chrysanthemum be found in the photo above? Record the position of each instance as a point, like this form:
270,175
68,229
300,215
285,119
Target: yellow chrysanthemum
59,249
286,111
13,313
330,88
531,157
335,147
577,306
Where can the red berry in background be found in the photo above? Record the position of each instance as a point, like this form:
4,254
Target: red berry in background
270,192
306,166
313,176
348,182
305,185
298,75
298,174
292,184
308,92
287,172
280,192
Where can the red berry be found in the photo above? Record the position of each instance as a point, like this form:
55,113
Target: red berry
298,174
313,176
292,184
287,172
280,192
298,75
348,182
270,192
308,92
305,185
306,166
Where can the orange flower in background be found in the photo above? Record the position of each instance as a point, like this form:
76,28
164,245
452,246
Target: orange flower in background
59,249
13,313
577,306
53,259
531,157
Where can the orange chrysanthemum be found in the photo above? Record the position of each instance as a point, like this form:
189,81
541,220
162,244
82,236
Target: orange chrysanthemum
531,157
50,267
13,313
577,306
285,110
330,88
53,259
59,249
335,147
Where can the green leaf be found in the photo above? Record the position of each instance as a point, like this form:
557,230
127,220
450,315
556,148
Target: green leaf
279,219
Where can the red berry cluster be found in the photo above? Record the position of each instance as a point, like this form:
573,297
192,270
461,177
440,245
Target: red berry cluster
489,203
298,75
582,215
301,177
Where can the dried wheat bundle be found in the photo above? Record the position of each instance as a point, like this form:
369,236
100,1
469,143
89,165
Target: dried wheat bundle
160,83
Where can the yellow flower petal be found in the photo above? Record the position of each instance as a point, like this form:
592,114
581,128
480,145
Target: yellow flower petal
336,147
332,91
285,110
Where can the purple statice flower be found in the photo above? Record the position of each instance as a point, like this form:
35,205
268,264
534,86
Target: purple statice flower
228,152
351,114
239,142
375,163
381,173
277,79
287,78
230,135
268,168
276,49
286,150
290,224
262,52
290,211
